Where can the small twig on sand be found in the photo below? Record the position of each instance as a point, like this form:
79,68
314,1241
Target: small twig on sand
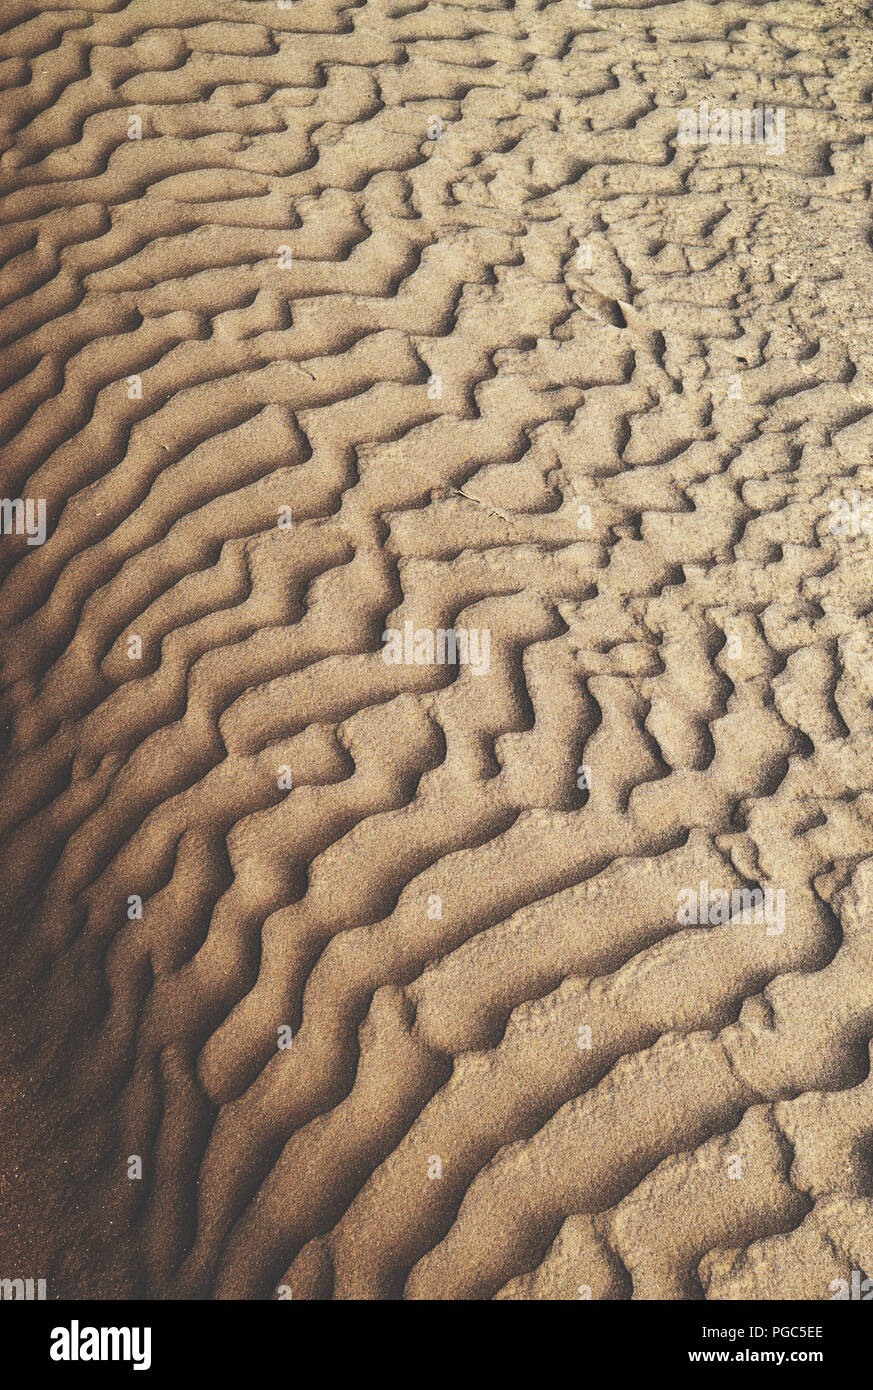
471,496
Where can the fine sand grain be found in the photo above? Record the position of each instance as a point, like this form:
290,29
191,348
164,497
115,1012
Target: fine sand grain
330,328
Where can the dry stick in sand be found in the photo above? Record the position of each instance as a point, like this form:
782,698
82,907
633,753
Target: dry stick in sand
471,496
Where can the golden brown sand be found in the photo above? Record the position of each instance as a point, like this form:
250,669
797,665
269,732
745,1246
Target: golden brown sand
329,318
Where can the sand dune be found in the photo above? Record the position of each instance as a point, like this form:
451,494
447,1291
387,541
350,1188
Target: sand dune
534,961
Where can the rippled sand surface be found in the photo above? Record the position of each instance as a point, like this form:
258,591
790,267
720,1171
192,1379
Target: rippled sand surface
357,978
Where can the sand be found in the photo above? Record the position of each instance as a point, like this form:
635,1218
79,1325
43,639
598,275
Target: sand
340,338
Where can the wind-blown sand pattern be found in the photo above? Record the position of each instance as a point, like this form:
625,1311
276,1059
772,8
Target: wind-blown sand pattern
440,281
